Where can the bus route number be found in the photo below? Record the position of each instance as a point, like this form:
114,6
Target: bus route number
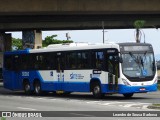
25,73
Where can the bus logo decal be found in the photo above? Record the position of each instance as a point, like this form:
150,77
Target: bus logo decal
76,76
73,76
25,74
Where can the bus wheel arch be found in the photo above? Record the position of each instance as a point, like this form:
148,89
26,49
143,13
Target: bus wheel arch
128,95
37,87
95,88
27,86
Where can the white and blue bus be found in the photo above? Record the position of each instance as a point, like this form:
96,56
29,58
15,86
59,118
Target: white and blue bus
124,68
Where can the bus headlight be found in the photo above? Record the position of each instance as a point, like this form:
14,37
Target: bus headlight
125,82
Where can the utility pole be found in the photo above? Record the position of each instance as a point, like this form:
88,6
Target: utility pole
103,30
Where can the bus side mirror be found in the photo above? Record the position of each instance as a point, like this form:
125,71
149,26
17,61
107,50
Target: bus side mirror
120,60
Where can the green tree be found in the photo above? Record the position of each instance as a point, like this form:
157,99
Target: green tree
138,24
52,40
17,44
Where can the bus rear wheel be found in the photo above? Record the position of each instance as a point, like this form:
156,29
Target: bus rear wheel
27,87
96,90
37,88
128,95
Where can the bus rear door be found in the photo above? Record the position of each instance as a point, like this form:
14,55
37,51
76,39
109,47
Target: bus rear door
60,73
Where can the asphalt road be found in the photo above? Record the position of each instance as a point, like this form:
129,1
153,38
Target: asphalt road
18,101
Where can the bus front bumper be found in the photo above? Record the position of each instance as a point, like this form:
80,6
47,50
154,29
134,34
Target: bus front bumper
122,89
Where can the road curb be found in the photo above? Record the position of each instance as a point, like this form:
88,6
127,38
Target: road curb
153,107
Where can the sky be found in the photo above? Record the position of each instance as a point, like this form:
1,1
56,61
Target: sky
96,36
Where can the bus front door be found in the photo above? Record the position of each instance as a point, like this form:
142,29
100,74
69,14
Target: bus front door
113,71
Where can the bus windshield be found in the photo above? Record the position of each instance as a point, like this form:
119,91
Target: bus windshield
138,65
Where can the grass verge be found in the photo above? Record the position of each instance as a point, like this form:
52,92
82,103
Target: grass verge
154,106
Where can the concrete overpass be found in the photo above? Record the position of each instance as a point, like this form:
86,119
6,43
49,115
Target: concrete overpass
77,14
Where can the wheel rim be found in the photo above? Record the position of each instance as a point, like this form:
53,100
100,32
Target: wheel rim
37,88
27,87
96,90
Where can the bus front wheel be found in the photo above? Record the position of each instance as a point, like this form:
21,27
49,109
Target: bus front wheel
97,91
37,88
27,87
128,95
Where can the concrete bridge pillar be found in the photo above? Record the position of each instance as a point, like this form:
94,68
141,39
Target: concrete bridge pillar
5,45
5,41
32,39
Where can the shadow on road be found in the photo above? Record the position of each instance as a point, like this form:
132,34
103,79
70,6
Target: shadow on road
78,96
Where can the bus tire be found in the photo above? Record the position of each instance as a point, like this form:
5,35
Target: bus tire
96,90
27,87
66,93
37,88
128,95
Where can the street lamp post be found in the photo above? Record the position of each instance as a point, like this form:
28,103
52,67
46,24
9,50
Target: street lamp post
68,36
103,32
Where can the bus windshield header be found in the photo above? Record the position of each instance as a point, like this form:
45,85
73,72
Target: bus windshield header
136,47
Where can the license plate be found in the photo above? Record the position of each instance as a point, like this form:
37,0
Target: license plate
142,89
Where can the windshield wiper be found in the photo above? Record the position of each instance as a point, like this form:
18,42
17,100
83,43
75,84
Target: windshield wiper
141,58
135,59
142,62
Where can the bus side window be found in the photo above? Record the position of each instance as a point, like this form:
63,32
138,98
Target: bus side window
97,59
79,60
8,63
85,60
82,60
17,62
71,60
48,61
24,59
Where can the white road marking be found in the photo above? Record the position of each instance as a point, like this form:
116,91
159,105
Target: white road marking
23,108
40,98
121,104
92,102
129,105
105,103
145,106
